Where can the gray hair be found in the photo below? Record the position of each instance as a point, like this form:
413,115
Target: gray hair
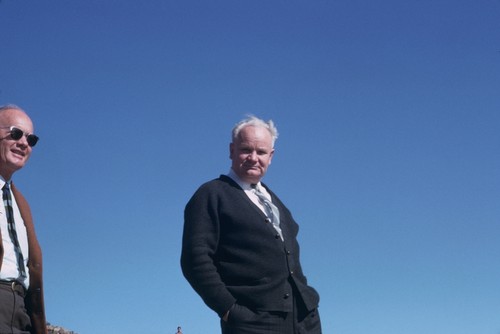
257,122
10,106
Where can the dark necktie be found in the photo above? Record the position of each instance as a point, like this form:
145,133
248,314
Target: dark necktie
272,211
7,201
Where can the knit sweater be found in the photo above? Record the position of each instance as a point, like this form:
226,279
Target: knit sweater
231,254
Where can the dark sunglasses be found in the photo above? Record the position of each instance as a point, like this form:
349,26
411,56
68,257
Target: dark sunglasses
16,134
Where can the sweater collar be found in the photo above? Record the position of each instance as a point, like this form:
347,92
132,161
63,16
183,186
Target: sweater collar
244,185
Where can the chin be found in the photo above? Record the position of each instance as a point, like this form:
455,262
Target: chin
253,178
17,165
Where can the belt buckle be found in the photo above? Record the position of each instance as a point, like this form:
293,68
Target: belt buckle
14,286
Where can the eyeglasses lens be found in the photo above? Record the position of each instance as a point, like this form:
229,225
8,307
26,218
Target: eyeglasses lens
32,140
17,134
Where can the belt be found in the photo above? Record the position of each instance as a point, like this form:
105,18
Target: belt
14,286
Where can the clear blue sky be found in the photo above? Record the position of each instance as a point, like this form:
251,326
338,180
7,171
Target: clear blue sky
388,156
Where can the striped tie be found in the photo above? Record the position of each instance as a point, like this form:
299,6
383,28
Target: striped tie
7,201
272,211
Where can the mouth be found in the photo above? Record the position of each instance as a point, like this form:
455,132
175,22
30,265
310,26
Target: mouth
19,153
251,167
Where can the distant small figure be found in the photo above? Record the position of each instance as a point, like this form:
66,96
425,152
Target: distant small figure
179,330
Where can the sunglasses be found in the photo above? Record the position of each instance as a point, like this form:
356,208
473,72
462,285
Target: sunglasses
16,134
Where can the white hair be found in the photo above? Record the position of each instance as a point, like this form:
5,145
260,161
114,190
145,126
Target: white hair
257,122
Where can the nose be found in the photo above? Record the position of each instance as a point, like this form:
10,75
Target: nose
252,156
23,141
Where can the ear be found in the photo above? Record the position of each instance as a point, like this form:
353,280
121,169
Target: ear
231,151
271,156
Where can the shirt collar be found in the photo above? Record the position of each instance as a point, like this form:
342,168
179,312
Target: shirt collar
244,185
3,182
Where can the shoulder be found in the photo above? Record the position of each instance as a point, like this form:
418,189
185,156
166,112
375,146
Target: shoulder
20,200
23,206
212,197
215,190
273,195
275,198
220,185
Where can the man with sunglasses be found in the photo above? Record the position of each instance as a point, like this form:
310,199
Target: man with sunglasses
21,290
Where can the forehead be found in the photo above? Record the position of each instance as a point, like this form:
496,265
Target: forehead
255,135
15,117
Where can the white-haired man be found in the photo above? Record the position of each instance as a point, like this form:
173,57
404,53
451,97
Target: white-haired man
240,251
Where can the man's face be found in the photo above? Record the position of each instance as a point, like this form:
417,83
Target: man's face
251,153
13,153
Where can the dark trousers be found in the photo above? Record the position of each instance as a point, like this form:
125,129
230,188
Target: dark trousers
242,320
13,316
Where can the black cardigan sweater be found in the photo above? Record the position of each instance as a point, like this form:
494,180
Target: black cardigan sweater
230,254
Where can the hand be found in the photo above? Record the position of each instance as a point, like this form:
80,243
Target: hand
225,317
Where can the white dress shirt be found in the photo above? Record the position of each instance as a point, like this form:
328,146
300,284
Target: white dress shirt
9,270
250,191
247,187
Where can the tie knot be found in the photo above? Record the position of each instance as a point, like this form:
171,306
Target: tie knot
6,187
256,187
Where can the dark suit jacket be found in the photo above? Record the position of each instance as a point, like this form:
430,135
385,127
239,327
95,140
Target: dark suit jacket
231,255
34,296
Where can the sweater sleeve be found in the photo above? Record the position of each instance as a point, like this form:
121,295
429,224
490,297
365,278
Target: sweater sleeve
199,246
